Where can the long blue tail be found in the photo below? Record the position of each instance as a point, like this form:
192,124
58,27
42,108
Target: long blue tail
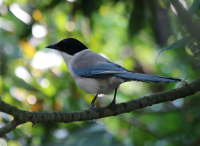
146,77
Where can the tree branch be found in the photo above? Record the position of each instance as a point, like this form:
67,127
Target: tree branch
21,116
9,127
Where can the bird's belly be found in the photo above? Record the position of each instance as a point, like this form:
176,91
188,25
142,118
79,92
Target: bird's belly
95,85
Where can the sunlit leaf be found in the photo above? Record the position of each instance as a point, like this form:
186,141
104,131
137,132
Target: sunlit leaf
37,15
180,43
162,4
195,49
27,48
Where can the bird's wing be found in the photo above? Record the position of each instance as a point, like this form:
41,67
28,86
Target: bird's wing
99,67
107,69
110,69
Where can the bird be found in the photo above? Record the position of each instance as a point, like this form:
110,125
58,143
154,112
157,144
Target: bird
97,75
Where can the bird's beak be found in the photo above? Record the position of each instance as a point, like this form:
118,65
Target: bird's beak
54,46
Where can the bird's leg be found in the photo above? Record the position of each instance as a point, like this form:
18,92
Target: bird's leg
114,101
92,103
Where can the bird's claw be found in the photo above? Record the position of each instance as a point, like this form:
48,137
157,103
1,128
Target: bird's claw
112,104
93,107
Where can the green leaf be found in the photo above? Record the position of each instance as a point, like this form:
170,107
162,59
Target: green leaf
195,7
180,43
195,50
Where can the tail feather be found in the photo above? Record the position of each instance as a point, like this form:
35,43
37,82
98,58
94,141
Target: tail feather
147,77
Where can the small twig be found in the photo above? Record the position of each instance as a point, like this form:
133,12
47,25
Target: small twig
9,127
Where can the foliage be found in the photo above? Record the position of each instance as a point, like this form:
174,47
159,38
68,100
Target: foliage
130,33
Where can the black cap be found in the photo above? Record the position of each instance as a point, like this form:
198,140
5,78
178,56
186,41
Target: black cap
70,46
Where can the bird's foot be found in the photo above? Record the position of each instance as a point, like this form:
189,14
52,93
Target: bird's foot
91,107
112,104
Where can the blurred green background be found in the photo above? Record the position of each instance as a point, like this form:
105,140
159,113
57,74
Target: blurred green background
130,33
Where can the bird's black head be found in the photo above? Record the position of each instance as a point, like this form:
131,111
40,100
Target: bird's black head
70,46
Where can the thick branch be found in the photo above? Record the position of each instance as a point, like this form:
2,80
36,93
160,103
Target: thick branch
37,117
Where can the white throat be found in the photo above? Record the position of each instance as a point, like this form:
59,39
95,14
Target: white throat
66,57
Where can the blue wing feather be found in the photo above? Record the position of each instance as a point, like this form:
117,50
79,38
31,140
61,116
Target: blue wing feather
110,69
98,70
